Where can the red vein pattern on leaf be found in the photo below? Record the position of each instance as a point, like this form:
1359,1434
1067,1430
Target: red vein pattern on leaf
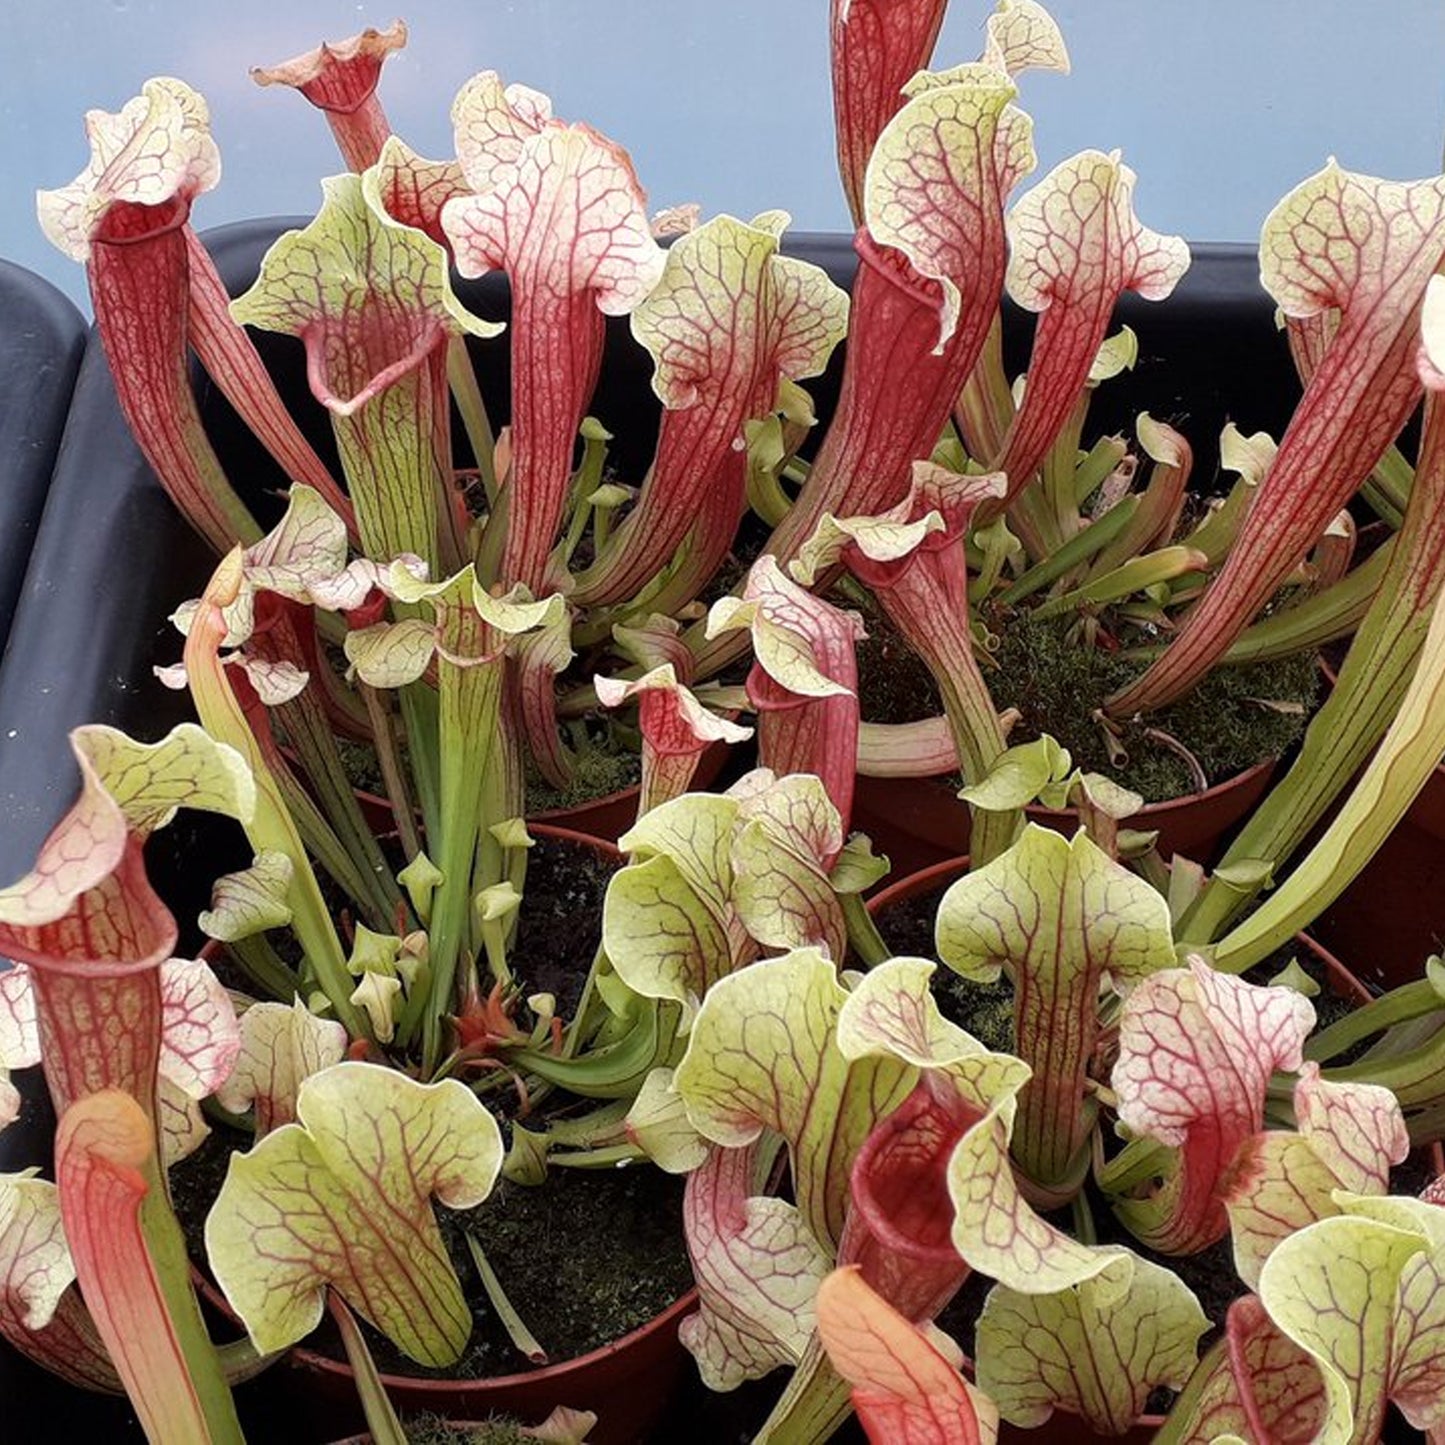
101,1145
233,363
1368,248
139,274
568,224
900,1227
798,733
95,974
1255,1383
343,1198
1196,1051
709,336
755,1274
877,45
35,1262
903,1388
942,192
413,190
1075,247
341,79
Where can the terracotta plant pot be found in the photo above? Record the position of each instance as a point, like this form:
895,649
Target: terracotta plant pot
1392,916
918,821
626,1383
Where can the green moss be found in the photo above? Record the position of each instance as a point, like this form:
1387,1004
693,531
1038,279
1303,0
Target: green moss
358,761
1057,682
986,1010
601,769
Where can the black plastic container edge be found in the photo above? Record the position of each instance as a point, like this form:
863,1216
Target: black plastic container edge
42,338
113,559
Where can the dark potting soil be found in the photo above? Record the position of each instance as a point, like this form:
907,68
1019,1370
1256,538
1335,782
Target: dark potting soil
577,1289
1237,717
585,1259
559,923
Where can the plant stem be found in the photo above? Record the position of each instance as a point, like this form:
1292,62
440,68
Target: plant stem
863,934
512,1322
381,1417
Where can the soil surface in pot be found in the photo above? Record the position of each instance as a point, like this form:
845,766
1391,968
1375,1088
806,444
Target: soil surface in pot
559,922
605,765
586,1258
1237,717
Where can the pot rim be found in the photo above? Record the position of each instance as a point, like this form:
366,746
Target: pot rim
562,1370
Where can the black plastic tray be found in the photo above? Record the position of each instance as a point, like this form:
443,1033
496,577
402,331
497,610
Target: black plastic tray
42,337
113,559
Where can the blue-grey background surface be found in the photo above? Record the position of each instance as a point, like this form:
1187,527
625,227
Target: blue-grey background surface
1220,105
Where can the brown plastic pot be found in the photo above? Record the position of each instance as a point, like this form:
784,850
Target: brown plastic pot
613,814
628,1383
607,817
917,822
1392,913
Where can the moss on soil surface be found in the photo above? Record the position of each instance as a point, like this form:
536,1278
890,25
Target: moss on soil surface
1227,722
600,770
1057,683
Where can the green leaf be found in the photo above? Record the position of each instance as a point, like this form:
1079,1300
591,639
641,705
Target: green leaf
858,867
657,1123
282,1045
696,833
354,276
1096,1350
1334,1288
762,1055
342,1199
1059,916
660,935
784,898
249,902
1019,776
391,654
